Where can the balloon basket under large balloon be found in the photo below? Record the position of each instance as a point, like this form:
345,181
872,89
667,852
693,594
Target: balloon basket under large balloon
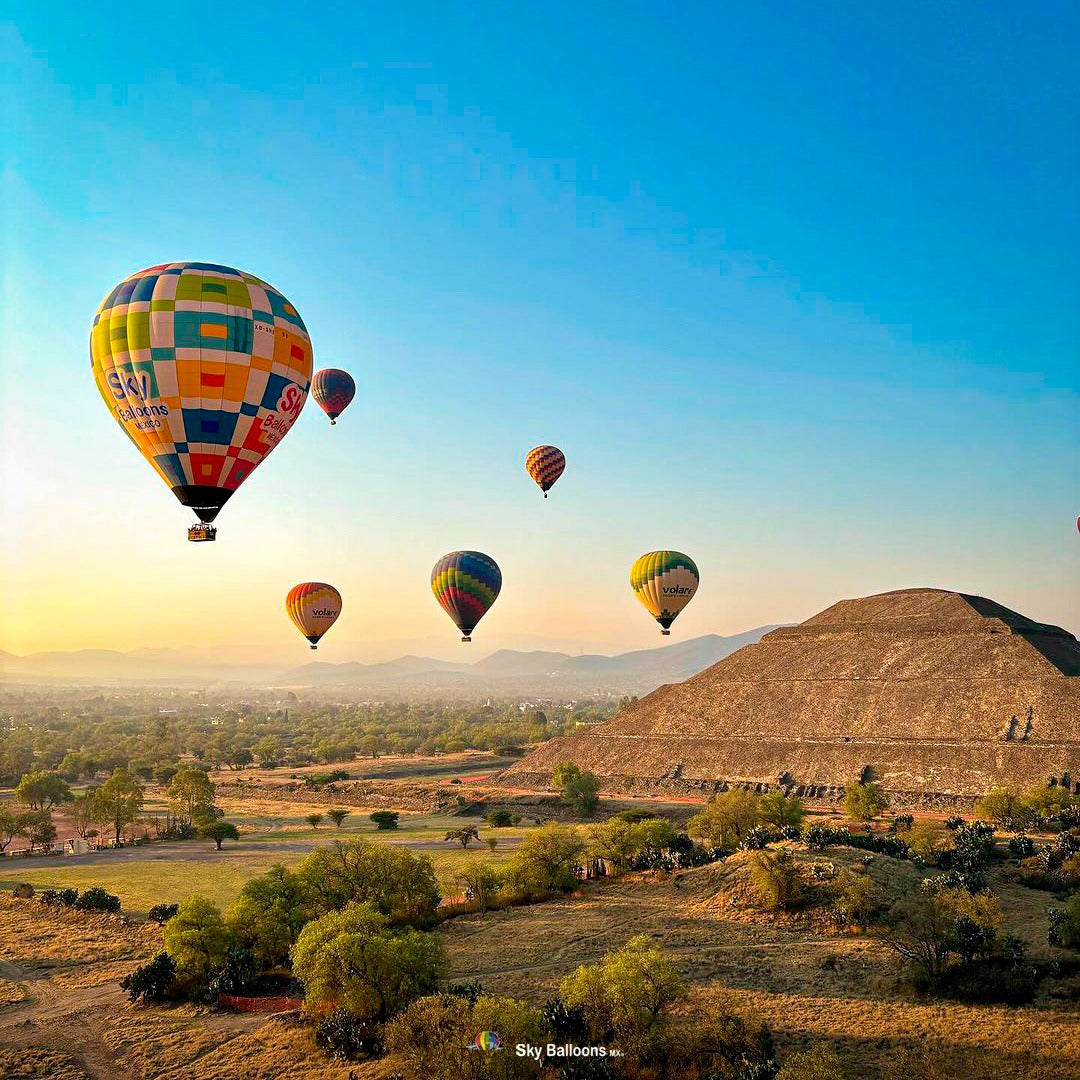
545,494
201,533
313,647
466,638
333,423
665,633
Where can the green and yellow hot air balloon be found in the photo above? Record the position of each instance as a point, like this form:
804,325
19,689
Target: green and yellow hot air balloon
664,582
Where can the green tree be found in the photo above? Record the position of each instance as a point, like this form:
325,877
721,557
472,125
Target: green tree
39,828
191,795
783,811
399,883
354,960
11,825
83,813
1049,803
1004,808
463,835
864,802
727,817
547,859
118,801
268,750
337,816
219,831
624,996
619,842
480,882
385,819
198,941
314,820
269,914
579,789
43,790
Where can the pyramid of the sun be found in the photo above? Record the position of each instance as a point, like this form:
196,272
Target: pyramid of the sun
926,691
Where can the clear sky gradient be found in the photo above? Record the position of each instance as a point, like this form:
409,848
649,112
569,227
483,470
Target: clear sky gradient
794,287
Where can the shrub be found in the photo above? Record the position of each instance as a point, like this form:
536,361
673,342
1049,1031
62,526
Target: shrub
434,1038
926,840
820,1062
775,880
1065,924
781,810
855,900
238,972
864,802
498,818
24,891
385,819
96,899
162,913
341,1035
901,823
1021,847
151,982
1004,808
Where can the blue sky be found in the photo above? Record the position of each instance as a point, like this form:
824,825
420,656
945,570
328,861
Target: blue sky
793,286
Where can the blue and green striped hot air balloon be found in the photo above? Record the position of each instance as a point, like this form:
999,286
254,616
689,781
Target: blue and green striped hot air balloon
466,584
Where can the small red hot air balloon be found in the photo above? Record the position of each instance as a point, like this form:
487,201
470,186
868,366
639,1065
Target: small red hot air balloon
332,390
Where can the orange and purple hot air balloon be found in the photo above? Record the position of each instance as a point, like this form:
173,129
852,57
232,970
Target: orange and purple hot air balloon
466,584
545,464
332,390
314,607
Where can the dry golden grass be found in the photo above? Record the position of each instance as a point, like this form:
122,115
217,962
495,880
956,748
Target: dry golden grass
194,1045
38,1065
806,981
34,934
11,992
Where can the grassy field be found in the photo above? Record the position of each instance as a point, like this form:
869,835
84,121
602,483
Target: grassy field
167,873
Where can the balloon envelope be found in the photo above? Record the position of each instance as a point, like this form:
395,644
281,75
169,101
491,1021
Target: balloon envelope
314,607
332,390
664,582
205,368
545,464
466,584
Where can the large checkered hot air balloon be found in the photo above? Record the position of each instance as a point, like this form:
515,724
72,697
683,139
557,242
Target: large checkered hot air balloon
332,389
466,584
664,582
545,464
314,607
205,368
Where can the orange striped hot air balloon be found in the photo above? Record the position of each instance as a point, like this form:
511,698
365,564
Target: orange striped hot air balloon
545,464
314,607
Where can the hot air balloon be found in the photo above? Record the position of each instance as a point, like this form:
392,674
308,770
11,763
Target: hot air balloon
664,582
314,606
545,465
466,583
332,390
205,368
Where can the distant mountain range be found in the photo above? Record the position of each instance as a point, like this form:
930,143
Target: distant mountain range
506,672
